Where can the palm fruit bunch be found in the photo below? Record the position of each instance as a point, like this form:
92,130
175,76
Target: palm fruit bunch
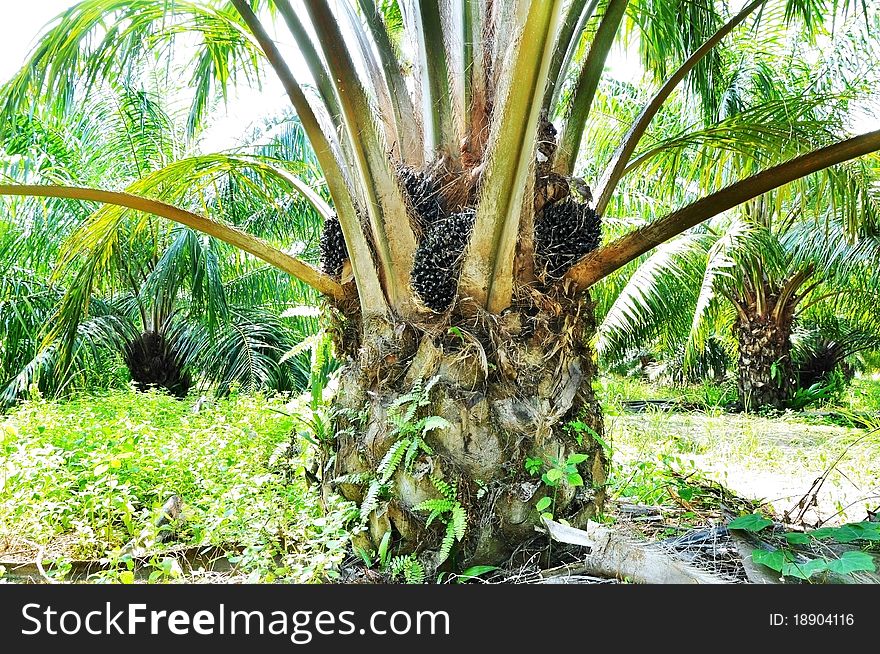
437,261
332,245
424,195
564,232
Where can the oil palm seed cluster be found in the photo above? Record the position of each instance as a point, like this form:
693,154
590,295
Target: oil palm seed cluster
332,244
564,232
566,228
438,258
423,192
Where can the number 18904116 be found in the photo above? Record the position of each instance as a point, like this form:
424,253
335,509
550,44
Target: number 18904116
823,619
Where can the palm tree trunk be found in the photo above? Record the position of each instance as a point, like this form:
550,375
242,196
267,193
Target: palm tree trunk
765,374
506,388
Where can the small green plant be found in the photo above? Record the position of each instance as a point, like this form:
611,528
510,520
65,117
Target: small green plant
92,471
474,572
534,466
790,562
407,567
448,510
804,397
554,473
580,429
456,331
667,478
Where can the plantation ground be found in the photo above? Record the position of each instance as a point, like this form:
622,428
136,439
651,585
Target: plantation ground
772,459
84,477
81,479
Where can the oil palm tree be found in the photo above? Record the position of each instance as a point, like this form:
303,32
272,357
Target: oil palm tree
449,135
744,278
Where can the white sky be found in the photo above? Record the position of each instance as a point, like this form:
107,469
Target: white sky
21,23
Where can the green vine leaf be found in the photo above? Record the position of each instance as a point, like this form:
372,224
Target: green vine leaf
797,538
852,562
850,532
773,560
804,570
754,522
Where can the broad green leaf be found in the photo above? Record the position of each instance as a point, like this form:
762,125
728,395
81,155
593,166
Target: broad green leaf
574,479
804,570
753,522
383,547
475,571
554,474
849,532
852,562
773,560
575,459
543,504
797,538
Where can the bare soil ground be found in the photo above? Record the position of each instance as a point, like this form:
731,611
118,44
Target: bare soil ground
775,460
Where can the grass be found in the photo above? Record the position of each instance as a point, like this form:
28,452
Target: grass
709,397
863,394
85,476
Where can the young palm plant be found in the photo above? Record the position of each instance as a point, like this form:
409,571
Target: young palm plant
469,244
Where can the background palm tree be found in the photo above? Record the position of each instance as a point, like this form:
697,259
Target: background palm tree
743,279
169,302
457,215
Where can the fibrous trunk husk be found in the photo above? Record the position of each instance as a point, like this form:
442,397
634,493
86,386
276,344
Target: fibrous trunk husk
765,376
507,387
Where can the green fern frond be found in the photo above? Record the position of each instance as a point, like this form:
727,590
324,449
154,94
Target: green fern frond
446,489
391,461
459,521
446,545
371,500
411,453
431,423
433,515
355,479
417,443
409,566
396,565
424,397
413,571
438,505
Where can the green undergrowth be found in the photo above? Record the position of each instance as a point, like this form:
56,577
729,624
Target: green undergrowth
85,476
614,391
